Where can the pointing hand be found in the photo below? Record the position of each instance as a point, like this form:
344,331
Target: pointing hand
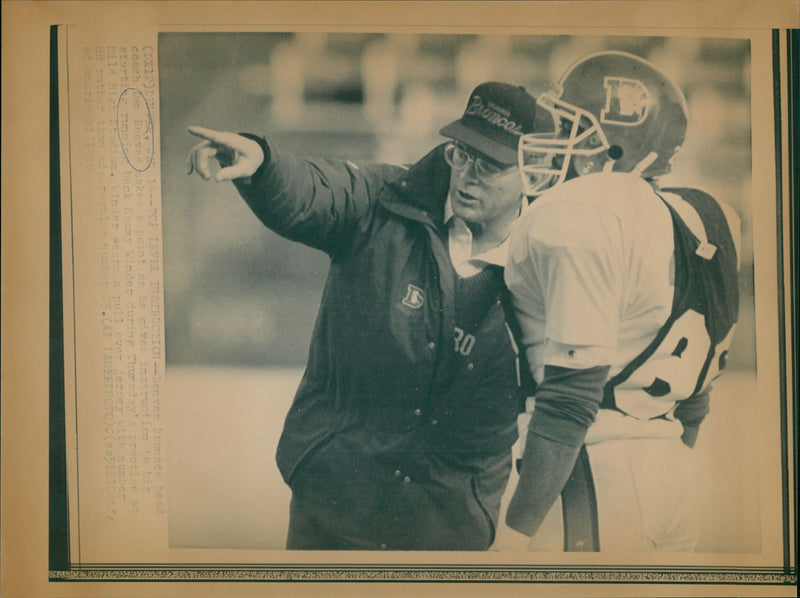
238,156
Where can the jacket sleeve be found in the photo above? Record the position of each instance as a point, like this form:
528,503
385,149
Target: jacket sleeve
322,203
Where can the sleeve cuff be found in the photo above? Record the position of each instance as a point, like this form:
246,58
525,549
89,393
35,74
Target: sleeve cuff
262,142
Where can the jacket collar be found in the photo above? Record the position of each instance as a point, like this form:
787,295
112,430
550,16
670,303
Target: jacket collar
420,193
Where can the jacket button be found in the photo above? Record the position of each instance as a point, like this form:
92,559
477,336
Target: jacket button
417,412
406,480
383,546
398,473
470,366
434,422
431,345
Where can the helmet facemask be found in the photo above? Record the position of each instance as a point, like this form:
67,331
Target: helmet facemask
545,158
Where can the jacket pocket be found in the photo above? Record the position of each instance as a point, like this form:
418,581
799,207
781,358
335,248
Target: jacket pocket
303,467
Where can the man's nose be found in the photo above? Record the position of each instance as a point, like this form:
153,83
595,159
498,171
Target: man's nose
470,171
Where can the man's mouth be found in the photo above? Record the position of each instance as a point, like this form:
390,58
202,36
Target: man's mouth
467,197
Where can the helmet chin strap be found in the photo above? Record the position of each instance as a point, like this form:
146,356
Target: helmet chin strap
642,166
608,166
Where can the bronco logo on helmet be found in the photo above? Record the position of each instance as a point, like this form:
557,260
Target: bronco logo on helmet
627,101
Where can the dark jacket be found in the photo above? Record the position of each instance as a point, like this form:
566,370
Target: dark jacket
402,441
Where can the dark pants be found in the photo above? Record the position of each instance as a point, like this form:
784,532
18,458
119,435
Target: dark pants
438,506
307,531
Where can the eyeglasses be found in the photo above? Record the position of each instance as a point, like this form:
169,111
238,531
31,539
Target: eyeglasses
459,157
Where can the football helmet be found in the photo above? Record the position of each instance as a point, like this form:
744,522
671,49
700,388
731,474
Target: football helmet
611,111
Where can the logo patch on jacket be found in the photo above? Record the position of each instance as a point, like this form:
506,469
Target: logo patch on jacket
414,298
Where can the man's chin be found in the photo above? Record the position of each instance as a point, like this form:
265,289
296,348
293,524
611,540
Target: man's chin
467,210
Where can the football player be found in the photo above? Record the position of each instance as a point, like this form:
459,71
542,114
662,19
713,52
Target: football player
626,296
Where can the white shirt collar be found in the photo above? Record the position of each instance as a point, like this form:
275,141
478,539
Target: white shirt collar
460,246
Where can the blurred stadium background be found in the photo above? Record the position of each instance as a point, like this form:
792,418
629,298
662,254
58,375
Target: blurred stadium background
240,302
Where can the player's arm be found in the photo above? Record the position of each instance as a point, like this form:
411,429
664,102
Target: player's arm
565,277
691,412
567,401
321,203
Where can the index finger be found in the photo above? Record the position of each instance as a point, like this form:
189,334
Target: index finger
218,137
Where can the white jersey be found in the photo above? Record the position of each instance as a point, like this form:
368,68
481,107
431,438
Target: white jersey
604,271
592,274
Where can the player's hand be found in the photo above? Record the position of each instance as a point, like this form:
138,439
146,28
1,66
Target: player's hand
238,156
613,425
